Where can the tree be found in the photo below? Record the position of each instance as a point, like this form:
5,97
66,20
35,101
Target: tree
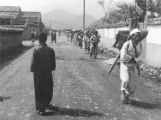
102,4
158,6
108,6
150,5
114,17
124,10
141,4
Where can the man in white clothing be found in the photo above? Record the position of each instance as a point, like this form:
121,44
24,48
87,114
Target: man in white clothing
129,69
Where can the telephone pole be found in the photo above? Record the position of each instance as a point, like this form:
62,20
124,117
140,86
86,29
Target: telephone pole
83,14
146,16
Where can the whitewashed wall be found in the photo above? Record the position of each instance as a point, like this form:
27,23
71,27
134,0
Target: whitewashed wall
108,36
151,45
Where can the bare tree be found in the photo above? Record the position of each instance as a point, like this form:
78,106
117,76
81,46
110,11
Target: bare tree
107,6
150,5
158,6
102,4
124,9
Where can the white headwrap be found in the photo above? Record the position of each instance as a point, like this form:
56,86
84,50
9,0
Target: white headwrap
136,30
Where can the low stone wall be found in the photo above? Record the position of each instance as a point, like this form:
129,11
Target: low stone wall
10,41
152,72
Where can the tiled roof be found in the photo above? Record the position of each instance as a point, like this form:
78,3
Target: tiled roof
10,15
33,17
10,12
10,9
30,14
11,29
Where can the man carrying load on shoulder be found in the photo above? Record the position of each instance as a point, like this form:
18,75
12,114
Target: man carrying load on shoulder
129,70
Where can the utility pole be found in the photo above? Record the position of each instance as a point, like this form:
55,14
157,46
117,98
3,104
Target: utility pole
50,24
145,28
83,14
146,16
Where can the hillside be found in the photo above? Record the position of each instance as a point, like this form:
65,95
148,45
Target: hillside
59,19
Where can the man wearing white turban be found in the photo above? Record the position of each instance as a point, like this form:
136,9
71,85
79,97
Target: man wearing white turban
128,66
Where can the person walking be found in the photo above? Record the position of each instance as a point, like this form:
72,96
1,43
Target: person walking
55,36
85,40
32,37
52,37
129,69
94,40
42,64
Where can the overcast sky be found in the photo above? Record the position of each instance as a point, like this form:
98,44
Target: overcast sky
73,6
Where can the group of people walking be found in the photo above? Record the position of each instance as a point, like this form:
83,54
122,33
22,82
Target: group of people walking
87,40
43,64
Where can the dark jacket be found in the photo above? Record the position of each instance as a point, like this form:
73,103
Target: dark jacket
43,59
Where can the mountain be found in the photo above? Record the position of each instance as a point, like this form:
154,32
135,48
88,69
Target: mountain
60,19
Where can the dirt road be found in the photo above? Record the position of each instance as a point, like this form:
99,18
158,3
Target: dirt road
83,90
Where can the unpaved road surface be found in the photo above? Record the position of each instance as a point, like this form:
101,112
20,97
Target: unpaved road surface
83,90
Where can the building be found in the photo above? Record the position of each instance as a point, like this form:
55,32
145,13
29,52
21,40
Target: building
13,16
16,25
31,21
9,14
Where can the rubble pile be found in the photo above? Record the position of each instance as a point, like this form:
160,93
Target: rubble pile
152,72
109,53
149,72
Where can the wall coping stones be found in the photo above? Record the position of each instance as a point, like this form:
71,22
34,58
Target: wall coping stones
7,28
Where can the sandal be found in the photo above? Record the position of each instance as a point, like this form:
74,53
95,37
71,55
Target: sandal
125,97
41,112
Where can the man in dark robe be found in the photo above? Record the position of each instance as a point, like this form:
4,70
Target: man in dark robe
55,36
52,36
42,65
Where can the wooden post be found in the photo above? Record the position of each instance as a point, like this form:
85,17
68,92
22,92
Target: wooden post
145,28
83,14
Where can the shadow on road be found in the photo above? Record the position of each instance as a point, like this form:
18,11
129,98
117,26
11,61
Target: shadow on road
99,58
7,60
146,105
87,59
62,43
74,113
2,98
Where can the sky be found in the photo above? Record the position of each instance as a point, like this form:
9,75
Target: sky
73,6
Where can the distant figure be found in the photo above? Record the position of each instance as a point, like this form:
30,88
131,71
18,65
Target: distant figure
85,41
53,36
59,32
94,40
42,65
33,37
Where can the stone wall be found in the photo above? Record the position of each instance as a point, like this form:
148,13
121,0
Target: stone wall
10,40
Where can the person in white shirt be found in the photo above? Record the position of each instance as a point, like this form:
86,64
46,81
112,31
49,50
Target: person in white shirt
85,40
129,69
